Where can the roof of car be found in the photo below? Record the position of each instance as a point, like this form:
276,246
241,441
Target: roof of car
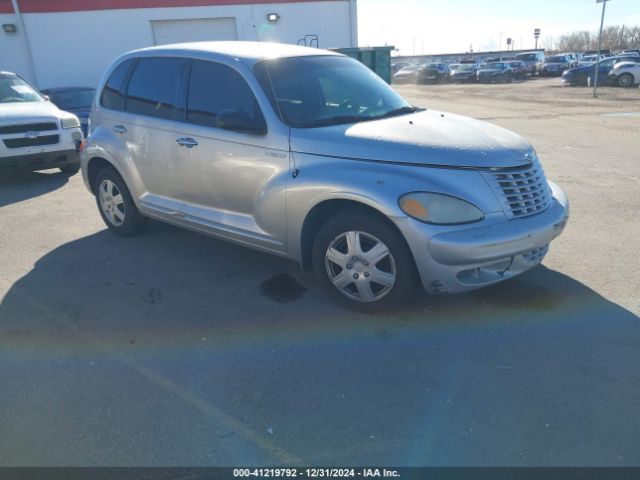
252,51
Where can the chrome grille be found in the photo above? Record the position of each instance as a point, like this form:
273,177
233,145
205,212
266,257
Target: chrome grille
522,191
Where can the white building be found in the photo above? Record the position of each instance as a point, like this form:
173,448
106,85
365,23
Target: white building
55,43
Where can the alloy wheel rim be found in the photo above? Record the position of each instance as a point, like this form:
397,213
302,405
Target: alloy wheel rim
360,266
111,202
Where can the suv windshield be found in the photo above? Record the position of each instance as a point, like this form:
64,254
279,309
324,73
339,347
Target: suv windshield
327,90
73,98
13,89
557,59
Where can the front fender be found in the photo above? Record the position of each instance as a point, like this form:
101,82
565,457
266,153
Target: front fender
378,185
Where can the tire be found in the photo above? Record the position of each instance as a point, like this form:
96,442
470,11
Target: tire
71,168
115,204
625,80
508,78
351,241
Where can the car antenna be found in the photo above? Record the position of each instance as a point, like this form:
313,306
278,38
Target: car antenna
295,171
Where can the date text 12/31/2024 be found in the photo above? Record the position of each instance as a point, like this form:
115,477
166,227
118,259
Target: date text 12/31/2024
315,473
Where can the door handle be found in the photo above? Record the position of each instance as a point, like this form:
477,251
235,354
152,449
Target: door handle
119,129
186,142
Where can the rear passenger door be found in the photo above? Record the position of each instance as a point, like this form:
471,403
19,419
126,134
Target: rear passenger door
233,182
153,105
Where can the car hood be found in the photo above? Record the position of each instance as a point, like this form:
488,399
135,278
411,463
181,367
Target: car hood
10,113
489,70
428,138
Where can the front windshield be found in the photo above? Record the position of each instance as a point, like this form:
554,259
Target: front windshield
556,59
15,90
326,90
466,68
495,66
71,99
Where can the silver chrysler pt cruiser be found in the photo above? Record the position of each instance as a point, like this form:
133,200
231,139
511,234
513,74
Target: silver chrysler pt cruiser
309,155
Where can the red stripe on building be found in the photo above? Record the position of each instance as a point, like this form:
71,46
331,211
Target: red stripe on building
42,6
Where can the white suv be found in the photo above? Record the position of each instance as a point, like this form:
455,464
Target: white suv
34,133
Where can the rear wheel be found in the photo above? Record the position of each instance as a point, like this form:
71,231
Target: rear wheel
625,80
115,204
364,261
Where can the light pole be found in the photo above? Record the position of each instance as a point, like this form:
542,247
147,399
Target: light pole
595,86
536,34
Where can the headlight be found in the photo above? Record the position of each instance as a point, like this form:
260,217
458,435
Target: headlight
438,208
70,121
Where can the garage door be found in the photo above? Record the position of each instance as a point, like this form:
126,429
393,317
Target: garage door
197,30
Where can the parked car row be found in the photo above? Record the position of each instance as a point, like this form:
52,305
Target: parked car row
491,71
574,68
620,70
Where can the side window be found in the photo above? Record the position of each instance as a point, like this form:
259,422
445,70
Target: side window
214,87
113,94
153,88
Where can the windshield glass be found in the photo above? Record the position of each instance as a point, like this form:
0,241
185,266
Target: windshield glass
13,89
327,90
556,59
527,56
466,68
73,98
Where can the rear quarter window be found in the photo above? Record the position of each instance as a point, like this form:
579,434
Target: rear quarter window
113,93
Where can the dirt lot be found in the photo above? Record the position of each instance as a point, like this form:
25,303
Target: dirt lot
172,348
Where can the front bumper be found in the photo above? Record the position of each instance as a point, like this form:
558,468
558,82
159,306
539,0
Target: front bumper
42,160
458,260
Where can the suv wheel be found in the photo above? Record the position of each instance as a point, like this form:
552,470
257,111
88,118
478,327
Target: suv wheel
116,205
625,80
364,261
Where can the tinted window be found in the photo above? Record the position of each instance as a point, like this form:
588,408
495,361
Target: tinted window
113,94
153,88
214,87
322,90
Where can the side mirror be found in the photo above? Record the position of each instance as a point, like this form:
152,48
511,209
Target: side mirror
239,121
47,98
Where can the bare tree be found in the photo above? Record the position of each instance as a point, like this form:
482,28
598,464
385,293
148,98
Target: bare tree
614,37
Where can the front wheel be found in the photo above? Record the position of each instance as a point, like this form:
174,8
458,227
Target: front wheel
625,80
116,205
364,261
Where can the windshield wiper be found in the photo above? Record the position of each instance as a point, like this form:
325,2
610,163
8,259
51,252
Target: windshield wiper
340,119
398,111
337,120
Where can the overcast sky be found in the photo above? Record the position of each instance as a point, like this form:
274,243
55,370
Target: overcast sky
445,26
